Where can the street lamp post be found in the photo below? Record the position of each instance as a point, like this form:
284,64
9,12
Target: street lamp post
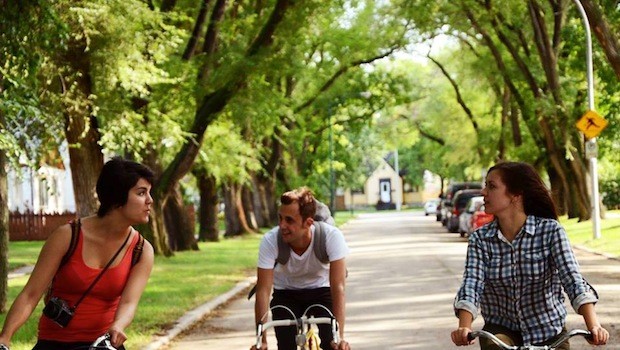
595,207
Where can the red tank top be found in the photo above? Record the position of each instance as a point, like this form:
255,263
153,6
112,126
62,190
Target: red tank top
95,314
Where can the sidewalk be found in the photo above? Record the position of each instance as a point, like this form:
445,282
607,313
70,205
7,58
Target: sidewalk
194,316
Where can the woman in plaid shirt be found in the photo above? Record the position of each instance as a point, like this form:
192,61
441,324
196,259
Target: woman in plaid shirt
517,265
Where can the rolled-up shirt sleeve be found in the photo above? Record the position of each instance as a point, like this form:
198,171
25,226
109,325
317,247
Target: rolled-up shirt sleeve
468,296
577,288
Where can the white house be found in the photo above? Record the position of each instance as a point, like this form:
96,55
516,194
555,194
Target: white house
47,190
385,185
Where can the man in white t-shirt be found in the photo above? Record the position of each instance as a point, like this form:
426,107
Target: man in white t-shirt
303,280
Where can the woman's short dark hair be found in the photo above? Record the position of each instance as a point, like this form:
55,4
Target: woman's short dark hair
117,177
302,196
522,179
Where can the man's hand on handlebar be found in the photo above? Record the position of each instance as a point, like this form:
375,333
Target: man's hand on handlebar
343,345
459,336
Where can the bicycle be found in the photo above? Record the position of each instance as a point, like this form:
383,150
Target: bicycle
493,338
300,323
101,343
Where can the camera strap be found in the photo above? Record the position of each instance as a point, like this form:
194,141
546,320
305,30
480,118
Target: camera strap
102,271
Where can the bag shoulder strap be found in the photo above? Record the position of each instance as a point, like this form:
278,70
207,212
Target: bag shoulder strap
320,242
137,251
76,229
284,251
75,232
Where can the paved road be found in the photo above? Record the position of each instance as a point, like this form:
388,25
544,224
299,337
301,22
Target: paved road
404,270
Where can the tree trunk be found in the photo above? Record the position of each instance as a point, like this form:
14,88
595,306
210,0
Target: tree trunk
558,193
259,203
207,213
266,186
236,221
267,178
4,228
233,224
178,224
192,44
248,208
81,130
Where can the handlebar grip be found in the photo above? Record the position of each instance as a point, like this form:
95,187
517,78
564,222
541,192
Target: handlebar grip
470,336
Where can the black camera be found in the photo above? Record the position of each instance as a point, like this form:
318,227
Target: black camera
58,311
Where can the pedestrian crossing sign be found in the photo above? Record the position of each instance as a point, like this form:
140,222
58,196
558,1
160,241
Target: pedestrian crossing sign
591,124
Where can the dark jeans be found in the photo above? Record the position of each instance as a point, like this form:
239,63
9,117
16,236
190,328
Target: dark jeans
58,345
511,337
298,301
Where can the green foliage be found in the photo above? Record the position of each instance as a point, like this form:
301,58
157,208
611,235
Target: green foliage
610,193
28,32
226,155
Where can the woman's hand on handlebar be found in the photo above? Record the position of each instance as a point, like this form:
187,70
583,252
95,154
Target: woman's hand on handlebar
460,336
117,337
343,345
599,336
262,347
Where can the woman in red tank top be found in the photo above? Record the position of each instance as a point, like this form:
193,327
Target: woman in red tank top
106,239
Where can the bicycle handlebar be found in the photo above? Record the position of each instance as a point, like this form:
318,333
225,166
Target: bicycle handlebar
299,323
565,337
103,342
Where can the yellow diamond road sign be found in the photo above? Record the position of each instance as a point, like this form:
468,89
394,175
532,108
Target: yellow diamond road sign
591,124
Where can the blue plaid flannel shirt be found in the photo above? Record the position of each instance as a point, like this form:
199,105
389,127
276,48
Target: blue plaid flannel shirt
519,285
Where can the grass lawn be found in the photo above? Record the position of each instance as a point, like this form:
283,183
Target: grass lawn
23,253
581,233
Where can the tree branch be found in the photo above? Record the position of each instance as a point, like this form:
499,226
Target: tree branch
337,74
461,102
192,44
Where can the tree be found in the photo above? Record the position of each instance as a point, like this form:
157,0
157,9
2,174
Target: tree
28,127
525,41
603,32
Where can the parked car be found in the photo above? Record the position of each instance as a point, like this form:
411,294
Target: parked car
430,207
458,206
445,205
480,218
465,219
438,211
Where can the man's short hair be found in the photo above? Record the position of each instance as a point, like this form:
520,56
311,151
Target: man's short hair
117,177
302,196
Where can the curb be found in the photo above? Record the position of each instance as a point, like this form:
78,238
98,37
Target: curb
19,272
585,249
194,316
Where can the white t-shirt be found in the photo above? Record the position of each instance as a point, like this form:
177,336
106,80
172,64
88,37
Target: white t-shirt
301,271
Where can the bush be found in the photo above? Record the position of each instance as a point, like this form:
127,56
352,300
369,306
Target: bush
610,193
